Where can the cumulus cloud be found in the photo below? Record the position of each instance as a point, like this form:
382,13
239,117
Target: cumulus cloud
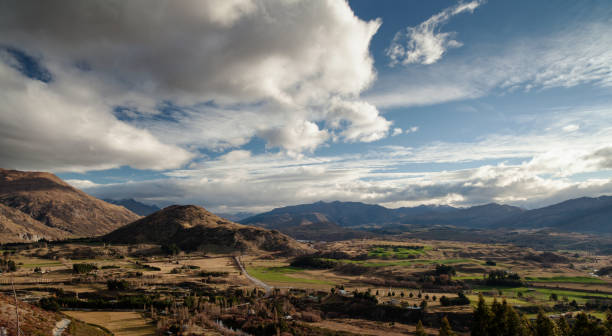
298,136
365,124
425,43
67,127
230,70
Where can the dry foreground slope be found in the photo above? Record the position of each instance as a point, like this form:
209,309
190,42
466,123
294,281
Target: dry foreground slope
193,228
47,199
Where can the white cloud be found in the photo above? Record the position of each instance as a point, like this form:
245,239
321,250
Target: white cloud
365,123
577,56
528,170
297,137
425,43
231,70
571,128
397,131
63,126
82,184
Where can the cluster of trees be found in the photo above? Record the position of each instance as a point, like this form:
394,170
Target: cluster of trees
170,249
311,261
183,269
212,274
445,269
117,285
8,265
367,295
460,300
503,278
83,268
500,319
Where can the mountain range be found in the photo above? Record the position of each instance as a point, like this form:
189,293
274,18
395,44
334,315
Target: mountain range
586,215
36,205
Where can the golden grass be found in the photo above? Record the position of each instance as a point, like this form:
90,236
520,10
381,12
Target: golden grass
119,323
364,327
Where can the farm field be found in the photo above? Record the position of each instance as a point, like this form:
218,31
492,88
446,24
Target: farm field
119,323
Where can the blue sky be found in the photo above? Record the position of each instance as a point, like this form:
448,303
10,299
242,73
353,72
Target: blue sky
246,105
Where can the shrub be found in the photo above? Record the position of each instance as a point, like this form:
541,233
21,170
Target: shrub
503,278
445,269
49,304
117,285
212,274
83,268
460,300
311,317
313,262
170,249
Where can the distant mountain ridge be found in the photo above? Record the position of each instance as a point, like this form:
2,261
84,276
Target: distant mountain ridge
585,214
54,208
588,215
134,206
308,226
341,213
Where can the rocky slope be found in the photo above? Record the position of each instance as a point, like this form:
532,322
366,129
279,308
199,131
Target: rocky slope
193,228
15,226
49,200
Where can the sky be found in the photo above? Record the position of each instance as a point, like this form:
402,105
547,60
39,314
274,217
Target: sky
248,105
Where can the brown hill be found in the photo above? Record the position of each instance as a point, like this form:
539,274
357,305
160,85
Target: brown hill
15,226
56,204
193,228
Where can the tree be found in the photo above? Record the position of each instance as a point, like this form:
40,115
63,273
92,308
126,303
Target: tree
514,324
554,297
12,267
423,305
586,327
498,323
563,327
420,331
544,326
482,318
445,328
170,249
608,323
